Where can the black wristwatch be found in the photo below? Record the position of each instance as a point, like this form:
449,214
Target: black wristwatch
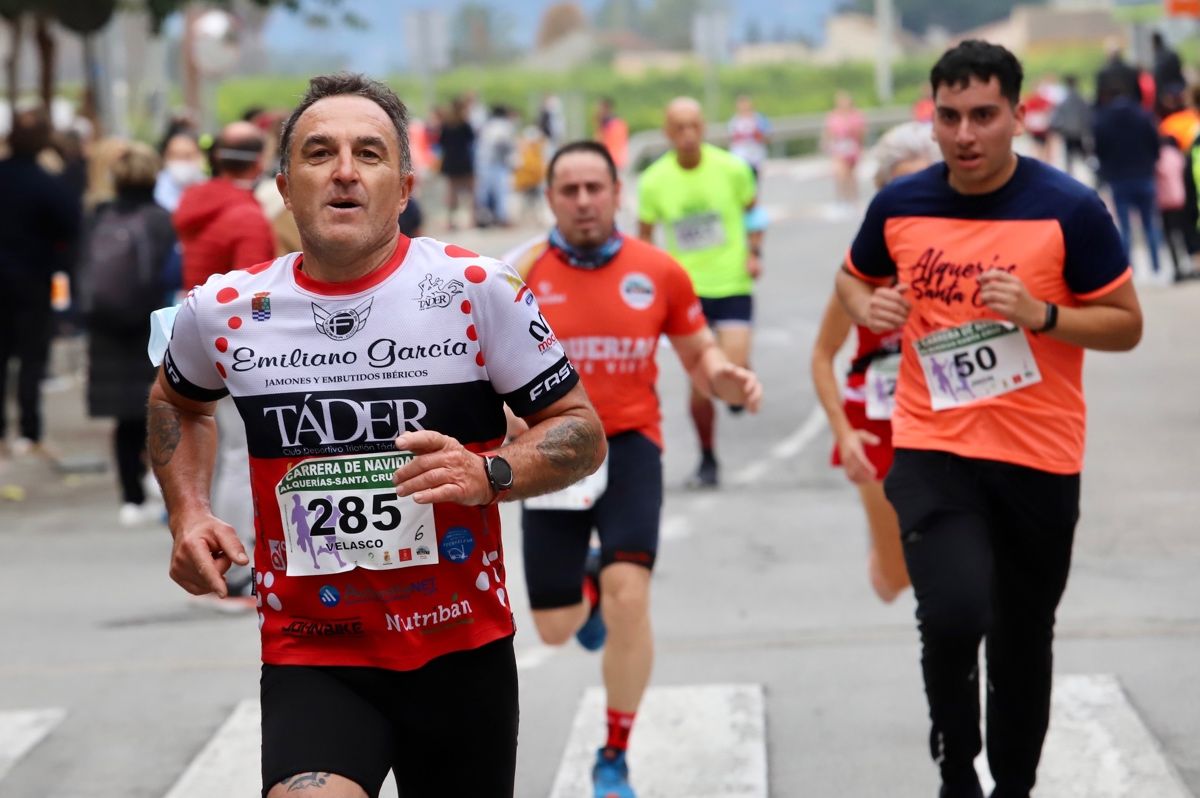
499,476
1051,320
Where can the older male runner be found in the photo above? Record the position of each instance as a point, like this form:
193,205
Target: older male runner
372,372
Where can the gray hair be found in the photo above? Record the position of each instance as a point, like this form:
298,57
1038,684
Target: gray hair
909,141
356,85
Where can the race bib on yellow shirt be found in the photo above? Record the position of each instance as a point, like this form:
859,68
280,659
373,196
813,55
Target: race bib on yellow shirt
342,513
974,361
699,231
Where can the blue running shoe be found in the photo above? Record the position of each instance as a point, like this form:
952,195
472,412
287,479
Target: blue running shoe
610,775
593,632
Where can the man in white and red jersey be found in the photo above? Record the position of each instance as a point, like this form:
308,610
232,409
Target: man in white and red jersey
609,297
371,371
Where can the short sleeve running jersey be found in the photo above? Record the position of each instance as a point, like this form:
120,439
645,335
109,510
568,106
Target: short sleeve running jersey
703,215
1043,226
325,376
609,321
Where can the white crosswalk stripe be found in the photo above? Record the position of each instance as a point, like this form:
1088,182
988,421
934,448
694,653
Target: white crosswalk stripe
1098,747
703,741
21,730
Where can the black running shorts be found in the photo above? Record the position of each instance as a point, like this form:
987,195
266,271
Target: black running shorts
625,517
728,310
448,728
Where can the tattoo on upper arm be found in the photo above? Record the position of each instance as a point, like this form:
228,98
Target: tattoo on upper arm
570,445
163,433
304,781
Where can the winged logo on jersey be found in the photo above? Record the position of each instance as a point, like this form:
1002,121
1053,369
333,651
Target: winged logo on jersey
341,324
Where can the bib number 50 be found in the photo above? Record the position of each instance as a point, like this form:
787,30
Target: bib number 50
351,517
965,363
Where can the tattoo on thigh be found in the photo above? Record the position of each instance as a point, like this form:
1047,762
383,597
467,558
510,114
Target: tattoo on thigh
305,781
570,445
163,433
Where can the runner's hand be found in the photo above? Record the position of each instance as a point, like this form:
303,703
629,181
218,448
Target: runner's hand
1004,293
855,463
754,266
888,309
442,471
205,548
737,386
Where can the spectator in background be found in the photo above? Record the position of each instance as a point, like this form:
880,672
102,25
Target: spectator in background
220,225
457,143
842,139
41,221
612,132
749,132
530,172
129,244
1127,148
1168,70
1039,111
1072,122
221,228
1171,193
100,187
1182,121
923,108
1120,78
495,153
552,122
182,167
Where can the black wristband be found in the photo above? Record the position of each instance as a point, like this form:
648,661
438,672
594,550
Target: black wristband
1051,318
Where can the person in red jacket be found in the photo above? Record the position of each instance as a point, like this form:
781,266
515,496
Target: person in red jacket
220,225
222,228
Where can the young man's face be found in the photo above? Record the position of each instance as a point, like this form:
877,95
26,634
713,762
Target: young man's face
974,126
584,199
345,183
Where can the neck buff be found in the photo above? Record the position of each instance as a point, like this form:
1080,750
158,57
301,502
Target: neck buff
592,258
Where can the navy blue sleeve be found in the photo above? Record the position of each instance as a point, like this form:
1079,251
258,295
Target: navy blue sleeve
1094,255
869,256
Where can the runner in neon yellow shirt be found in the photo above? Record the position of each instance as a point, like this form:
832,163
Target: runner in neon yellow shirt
704,199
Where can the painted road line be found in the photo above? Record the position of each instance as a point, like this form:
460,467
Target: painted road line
1098,746
21,730
229,763
702,741
786,449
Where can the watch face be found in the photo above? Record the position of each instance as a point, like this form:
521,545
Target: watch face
500,473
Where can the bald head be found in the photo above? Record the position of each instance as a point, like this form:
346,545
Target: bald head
239,150
684,126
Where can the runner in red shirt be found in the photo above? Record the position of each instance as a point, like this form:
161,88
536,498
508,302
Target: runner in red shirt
372,372
609,298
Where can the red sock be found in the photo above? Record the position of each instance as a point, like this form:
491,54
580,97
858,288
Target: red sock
619,726
591,593
704,418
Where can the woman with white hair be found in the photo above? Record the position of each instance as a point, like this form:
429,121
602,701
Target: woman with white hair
860,415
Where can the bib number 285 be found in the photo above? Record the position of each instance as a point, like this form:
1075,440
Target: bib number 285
348,514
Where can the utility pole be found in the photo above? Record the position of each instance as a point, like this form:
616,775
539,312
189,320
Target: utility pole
884,27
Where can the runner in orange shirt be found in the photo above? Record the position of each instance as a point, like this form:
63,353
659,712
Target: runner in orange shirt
609,298
1000,271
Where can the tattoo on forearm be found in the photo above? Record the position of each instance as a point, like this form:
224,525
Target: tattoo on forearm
163,433
304,781
570,445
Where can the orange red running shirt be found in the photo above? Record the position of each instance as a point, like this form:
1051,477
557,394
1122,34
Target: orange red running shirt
609,320
1043,226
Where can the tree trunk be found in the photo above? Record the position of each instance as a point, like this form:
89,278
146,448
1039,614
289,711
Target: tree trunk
47,50
11,68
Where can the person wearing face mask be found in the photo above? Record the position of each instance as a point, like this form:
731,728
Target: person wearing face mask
183,166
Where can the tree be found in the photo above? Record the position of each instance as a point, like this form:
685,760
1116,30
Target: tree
618,15
559,20
480,35
919,15
754,32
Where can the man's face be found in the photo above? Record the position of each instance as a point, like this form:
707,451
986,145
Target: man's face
584,199
685,129
344,183
974,127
